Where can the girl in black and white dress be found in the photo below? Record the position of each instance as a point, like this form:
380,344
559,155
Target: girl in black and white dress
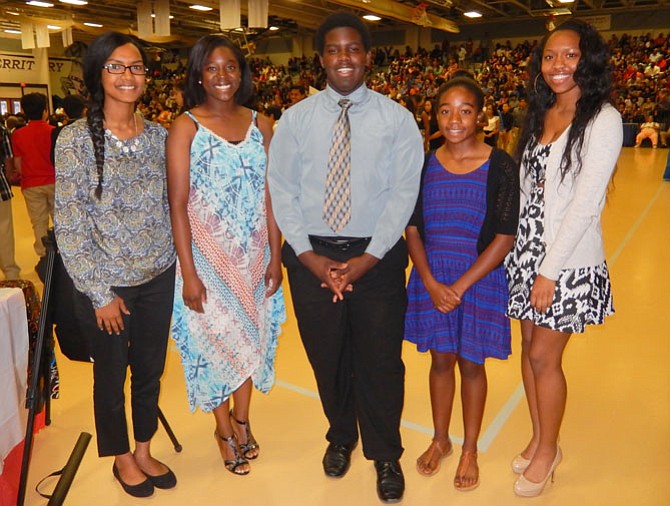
558,276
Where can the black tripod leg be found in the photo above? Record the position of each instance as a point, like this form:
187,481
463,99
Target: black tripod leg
168,429
69,471
32,400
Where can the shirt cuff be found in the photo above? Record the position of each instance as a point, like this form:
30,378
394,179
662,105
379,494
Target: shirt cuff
549,271
376,249
100,300
300,246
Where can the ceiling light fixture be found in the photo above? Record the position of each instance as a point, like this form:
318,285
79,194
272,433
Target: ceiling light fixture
93,25
472,14
74,2
200,8
35,3
273,28
372,17
53,27
15,32
13,13
566,1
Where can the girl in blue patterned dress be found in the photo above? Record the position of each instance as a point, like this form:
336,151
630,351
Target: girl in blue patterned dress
228,302
462,229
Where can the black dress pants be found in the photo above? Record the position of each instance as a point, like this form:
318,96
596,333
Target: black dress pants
142,345
354,347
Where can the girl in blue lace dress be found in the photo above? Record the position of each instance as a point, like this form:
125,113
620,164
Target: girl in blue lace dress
462,229
228,302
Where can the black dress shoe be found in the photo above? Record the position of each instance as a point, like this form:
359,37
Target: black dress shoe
390,480
144,489
336,460
164,481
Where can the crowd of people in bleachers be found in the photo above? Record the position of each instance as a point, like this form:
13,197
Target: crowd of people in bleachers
641,65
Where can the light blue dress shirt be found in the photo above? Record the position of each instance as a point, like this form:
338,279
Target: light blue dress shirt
386,160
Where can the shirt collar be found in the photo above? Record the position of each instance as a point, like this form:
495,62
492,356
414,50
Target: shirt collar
359,96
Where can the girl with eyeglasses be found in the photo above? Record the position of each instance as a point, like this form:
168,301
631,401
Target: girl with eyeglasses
113,230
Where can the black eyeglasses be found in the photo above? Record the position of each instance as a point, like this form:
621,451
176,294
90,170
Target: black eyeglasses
117,68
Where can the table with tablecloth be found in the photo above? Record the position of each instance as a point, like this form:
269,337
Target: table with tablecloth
13,377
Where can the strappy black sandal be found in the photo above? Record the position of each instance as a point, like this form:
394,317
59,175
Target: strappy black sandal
251,443
231,465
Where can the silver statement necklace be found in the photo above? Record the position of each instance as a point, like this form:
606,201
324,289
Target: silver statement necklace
129,145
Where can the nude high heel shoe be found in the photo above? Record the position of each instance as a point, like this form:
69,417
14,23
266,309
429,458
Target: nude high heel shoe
520,464
525,488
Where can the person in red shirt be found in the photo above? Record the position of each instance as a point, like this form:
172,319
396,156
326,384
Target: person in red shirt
32,150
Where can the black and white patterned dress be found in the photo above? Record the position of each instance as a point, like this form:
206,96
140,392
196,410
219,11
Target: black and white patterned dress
583,295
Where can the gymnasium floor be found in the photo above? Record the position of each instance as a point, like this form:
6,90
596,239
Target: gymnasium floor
615,436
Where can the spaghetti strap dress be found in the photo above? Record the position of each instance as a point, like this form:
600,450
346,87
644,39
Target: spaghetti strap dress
454,206
236,336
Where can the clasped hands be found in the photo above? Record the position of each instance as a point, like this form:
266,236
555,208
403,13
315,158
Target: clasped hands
445,298
338,277
337,285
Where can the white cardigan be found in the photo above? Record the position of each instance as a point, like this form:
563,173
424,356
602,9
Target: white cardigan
572,208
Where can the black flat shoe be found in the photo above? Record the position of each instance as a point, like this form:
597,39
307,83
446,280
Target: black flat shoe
337,459
390,480
164,481
144,489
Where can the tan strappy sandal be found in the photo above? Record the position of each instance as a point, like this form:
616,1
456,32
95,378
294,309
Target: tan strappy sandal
468,458
429,456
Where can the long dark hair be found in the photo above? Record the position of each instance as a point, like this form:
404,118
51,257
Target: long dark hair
594,78
194,93
97,54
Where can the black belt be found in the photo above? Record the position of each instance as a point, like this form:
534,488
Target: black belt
339,243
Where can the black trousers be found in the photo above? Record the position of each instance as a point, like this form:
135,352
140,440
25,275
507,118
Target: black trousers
354,347
142,346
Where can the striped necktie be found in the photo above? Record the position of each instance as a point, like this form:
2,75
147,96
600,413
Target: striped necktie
337,203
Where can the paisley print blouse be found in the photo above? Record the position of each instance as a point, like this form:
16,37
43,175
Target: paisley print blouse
124,238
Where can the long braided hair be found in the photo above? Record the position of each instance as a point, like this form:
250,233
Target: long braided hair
97,54
594,78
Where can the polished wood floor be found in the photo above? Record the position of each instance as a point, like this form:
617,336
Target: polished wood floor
615,436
